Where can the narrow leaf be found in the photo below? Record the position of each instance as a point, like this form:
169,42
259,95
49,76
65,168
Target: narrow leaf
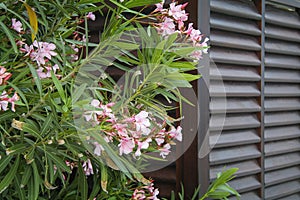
33,20
9,176
36,78
10,36
59,87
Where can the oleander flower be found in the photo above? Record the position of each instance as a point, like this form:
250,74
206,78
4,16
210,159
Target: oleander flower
91,16
4,76
16,25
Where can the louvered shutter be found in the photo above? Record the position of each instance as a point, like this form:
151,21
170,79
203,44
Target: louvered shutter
235,35
282,103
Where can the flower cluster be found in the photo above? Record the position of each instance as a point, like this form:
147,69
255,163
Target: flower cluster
147,192
5,96
132,134
173,20
39,52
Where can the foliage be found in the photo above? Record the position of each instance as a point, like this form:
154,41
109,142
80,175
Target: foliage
65,123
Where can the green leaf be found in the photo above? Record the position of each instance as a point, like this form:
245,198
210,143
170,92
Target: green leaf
158,52
82,183
127,9
78,92
16,149
58,161
137,3
47,124
183,65
104,178
10,36
36,179
9,176
190,77
26,176
184,51
4,162
171,40
36,78
226,188
59,87
125,45
29,128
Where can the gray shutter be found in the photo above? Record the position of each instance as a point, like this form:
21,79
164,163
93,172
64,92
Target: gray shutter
282,104
235,48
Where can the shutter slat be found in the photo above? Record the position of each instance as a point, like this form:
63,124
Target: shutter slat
233,154
245,184
233,89
282,161
234,40
281,47
280,133
282,190
233,138
294,197
282,61
234,105
234,24
283,175
233,121
234,73
245,168
247,196
240,8
282,90
281,33
279,75
286,146
282,18
281,104
281,118
233,56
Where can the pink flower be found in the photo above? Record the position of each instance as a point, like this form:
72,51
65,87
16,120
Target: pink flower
189,30
142,122
159,7
126,146
160,137
87,167
12,100
3,101
153,192
16,25
46,74
167,27
4,76
204,45
121,129
27,49
176,133
138,195
177,13
142,145
197,55
98,149
91,16
74,56
195,35
165,150
44,49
